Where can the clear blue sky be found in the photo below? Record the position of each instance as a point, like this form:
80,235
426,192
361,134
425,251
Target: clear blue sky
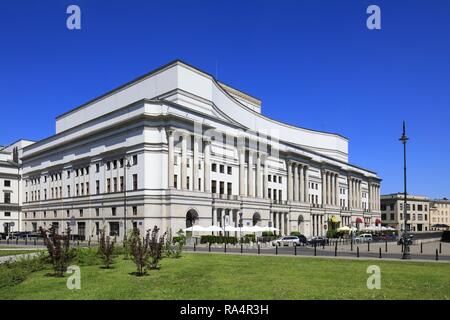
313,63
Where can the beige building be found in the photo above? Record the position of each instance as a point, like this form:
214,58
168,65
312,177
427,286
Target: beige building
440,213
418,210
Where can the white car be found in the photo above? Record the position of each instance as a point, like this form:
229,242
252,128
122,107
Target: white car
365,237
287,241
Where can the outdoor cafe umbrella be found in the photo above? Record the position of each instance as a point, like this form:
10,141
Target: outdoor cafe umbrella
343,229
213,229
194,228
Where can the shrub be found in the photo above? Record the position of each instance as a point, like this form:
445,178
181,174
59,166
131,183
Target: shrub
58,247
12,273
139,251
174,248
155,247
106,249
249,238
218,239
268,234
87,256
332,233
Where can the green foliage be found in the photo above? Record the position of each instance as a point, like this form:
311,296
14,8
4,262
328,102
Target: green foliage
295,233
12,273
331,233
249,238
106,249
218,239
58,247
174,248
87,256
268,234
155,247
139,252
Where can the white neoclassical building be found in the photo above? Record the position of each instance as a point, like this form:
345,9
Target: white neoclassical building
176,147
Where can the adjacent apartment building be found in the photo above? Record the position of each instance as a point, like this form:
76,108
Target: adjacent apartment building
418,208
10,186
440,214
176,147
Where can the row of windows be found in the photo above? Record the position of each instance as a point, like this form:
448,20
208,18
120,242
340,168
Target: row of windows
420,216
221,168
82,188
81,171
391,207
80,213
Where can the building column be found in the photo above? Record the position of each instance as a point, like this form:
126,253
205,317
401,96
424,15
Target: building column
352,184
184,162
302,183
259,192
265,180
324,187
333,188
290,182
207,166
328,187
251,179
195,165
359,194
306,177
242,172
214,216
337,190
170,163
296,182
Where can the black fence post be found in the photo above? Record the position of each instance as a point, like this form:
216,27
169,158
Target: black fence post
89,243
315,249
209,246
195,247
295,250
26,240
276,248
351,245
7,241
440,247
35,242
368,246
323,245
437,255
259,249
335,249
357,252
385,246
421,247
241,247
380,253
17,240
225,248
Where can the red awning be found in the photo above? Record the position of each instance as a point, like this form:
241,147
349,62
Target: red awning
359,220
377,221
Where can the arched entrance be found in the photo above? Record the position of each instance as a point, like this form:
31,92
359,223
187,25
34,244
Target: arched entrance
256,218
301,224
191,218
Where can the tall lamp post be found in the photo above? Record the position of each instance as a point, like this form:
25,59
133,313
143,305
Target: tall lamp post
126,166
405,243
240,225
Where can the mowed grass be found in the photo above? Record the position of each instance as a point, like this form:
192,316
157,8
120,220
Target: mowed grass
217,276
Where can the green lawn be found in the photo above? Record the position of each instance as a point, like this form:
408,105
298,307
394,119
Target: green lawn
15,252
214,276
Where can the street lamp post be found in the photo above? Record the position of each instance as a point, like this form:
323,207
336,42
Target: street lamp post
126,166
405,243
240,225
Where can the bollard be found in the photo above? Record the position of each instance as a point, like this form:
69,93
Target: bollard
295,250
368,246
385,246
241,247
26,240
357,252
335,249
259,249
437,255
351,245
440,247
225,248
209,246
7,241
194,247
35,242
323,245
17,240
315,249
421,247
276,248
380,253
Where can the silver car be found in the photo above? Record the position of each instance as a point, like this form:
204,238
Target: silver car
287,241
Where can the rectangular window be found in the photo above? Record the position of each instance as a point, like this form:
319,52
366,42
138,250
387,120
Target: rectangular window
81,213
121,183
7,183
280,179
199,184
97,212
97,186
229,170
97,228
108,165
269,193
214,167
280,195
229,188
222,168
134,211
114,229
269,178
97,167
7,214
392,216
68,191
135,182
187,183
175,181
214,186
108,185
115,164
419,207
222,187
115,184
113,211
7,197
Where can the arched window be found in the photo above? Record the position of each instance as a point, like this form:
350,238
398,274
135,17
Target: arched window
300,219
191,218
256,218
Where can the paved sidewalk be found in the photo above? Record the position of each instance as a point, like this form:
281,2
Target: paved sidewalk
17,257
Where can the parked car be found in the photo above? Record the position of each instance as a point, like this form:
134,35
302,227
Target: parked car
286,241
318,241
365,237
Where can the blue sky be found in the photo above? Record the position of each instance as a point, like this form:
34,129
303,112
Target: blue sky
313,63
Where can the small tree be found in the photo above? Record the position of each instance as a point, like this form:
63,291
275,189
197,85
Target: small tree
58,247
155,247
106,249
178,243
139,251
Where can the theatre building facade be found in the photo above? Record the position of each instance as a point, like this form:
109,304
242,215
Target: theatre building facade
176,147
